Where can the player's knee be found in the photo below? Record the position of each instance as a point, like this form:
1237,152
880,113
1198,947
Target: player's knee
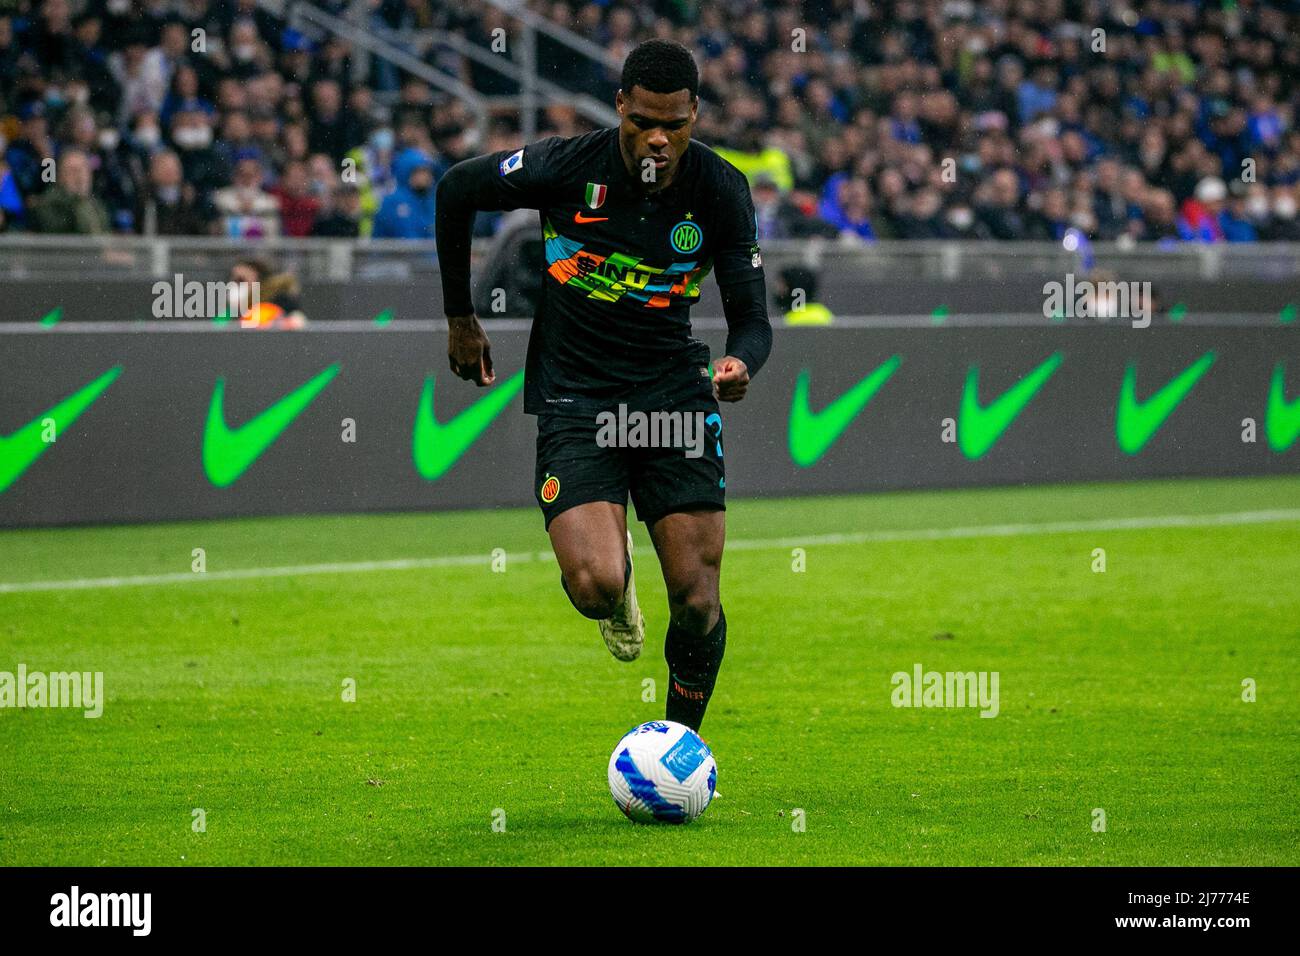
595,592
694,607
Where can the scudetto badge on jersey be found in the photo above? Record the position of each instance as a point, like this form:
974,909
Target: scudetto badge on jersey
596,195
512,162
686,237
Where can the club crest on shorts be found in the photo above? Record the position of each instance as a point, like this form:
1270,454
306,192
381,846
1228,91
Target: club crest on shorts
596,195
550,489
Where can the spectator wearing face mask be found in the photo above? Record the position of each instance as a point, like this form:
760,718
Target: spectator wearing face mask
248,54
191,134
145,137
69,207
408,212
959,222
1284,226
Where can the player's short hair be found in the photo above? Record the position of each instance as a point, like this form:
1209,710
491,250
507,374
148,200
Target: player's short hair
661,66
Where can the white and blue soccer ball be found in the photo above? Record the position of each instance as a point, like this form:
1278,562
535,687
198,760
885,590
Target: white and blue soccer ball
662,772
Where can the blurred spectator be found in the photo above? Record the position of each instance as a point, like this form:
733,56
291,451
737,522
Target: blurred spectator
191,134
69,206
170,206
27,155
780,217
408,212
1202,214
248,211
795,293
849,210
344,218
911,119
298,207
1284,227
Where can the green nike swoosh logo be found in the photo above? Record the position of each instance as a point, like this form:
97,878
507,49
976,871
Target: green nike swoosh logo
437,446
813,433
980,427
1136,422
1282,424
228,452
19,450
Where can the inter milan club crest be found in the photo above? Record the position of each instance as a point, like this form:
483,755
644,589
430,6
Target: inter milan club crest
596,195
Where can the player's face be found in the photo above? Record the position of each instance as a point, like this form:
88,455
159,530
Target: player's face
655,127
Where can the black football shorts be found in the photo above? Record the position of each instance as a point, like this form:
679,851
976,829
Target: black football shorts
670,460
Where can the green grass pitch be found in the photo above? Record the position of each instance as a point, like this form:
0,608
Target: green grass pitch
478,691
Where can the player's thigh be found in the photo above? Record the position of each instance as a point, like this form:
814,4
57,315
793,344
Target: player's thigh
582,490
590,544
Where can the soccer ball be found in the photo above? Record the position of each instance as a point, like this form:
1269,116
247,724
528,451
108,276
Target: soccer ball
662,772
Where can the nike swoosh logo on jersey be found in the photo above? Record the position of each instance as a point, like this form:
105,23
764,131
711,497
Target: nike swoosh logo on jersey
1135,421
813,433
19,450
980,427
581,219
437,446
228,452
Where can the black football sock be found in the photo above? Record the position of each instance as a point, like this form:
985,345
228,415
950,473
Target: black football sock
627,576
693,664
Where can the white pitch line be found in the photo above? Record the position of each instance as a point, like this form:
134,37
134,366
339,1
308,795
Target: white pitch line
1221,519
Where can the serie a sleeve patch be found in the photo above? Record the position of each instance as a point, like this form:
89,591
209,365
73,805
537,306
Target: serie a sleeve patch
512,162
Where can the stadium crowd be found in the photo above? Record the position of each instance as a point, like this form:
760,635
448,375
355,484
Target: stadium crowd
915,119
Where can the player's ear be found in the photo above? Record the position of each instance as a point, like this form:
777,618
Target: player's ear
619,101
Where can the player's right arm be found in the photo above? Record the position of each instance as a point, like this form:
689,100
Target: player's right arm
495,181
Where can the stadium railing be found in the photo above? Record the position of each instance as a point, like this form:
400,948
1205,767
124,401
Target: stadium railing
28,256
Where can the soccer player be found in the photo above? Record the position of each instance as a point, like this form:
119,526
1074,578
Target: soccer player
634,218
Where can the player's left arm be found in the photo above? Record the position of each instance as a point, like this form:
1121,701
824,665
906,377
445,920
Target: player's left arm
738,267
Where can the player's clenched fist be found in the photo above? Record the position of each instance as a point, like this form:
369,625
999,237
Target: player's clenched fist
730,379
468,350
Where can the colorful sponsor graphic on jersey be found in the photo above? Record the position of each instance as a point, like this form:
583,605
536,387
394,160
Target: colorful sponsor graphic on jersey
596,195
615,276
512,162
550,489
686,237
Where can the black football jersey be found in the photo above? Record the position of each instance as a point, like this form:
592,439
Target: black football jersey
623,268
